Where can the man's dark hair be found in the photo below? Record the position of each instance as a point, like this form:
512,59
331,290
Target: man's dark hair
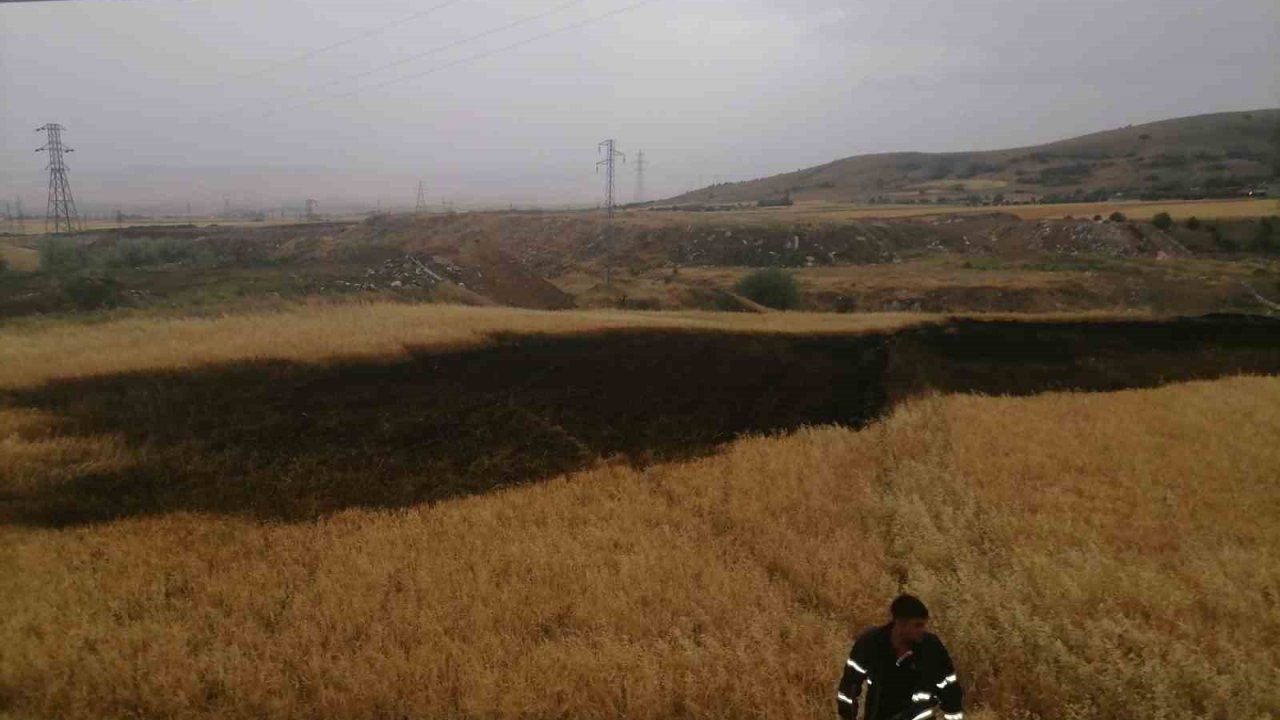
908,607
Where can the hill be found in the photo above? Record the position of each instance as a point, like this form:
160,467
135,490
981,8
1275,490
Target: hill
1221,154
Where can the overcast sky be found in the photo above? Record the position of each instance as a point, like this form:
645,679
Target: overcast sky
150,90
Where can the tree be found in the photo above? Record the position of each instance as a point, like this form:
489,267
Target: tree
1162,220
771,288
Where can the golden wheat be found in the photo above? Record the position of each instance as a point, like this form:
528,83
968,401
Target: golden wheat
32,352
1086,556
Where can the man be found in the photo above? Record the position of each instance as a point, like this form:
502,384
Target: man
907,670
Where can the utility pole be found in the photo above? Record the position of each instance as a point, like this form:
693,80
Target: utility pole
640,177
226,207
421,207
610,149
311,210
22,221
61,209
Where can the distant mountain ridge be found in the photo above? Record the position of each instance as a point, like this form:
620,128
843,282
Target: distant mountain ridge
1212,155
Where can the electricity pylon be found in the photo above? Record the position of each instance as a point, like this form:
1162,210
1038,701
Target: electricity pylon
61,210
611,155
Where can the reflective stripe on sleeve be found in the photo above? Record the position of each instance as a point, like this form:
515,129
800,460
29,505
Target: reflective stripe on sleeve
953,716
923,714
844,698
921,696
946,681
855,666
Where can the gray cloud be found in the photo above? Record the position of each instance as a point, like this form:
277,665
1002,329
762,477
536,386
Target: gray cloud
155,101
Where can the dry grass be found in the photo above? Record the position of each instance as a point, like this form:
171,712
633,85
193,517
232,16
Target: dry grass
35,351
1087,556
20,258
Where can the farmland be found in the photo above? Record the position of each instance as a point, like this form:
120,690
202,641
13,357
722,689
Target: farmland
197,545
957,260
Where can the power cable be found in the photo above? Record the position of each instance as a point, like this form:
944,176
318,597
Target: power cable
354,38
478,56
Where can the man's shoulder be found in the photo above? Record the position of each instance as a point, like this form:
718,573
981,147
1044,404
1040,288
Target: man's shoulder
932,642
870,633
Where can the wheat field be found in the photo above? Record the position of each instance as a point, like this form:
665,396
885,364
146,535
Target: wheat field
1085,556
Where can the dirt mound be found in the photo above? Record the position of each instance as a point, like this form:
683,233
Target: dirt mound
1068,237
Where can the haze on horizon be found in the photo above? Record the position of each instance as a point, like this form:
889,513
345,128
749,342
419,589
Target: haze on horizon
175,102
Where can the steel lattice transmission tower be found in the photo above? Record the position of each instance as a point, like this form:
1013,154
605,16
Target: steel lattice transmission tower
611,154
421,207
61,212
640,166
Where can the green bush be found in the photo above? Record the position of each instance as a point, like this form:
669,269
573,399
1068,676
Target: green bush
1222,242
1117,216
1193,223
771,288
143,252
60,253
1266,239
1162,220
89,292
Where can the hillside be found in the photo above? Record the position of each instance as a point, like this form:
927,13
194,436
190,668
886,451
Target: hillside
1202,156
975,261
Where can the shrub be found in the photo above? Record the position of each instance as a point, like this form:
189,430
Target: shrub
89,292
771,288
1221,241
1162,220
1265,238
1193,223
1117,216
60,253
1097,218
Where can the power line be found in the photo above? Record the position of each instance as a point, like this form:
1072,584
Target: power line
354,38
61,208
441,48
478,56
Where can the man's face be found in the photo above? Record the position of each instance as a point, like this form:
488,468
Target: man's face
912,629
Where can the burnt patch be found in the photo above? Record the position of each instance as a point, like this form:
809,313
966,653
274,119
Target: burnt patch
294,441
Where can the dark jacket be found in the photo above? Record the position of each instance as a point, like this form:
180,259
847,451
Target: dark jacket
908,686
